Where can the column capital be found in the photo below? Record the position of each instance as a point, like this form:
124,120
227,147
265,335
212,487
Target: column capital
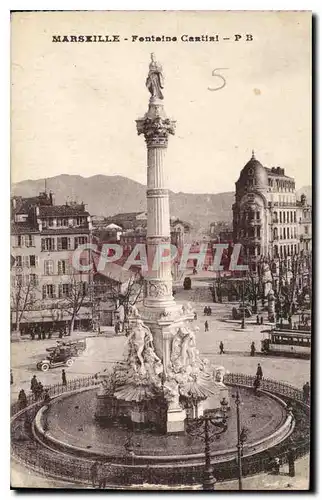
156,126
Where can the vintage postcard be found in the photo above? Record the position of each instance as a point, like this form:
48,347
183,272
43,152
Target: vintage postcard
161,250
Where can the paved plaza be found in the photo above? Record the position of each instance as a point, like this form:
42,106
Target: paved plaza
102,351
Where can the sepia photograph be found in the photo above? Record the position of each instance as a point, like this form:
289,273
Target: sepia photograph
161,250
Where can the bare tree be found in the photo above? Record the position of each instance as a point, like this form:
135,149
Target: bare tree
23,296
74,295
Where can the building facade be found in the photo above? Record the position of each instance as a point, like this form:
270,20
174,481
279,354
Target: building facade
268,220
46,290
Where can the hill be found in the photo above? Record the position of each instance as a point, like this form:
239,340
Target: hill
109,195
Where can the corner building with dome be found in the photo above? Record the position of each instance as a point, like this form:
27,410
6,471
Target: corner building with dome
268,220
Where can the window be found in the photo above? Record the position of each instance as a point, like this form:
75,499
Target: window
284,217
287,216
19,240
294,216
62,267
33,279
288,233
284,233
81,240
63,243
32,260
18,261
47,244
30,240
51,222
291,217
281,217
64,290
48,267
306,230
48,291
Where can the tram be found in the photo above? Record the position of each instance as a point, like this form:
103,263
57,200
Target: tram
287,342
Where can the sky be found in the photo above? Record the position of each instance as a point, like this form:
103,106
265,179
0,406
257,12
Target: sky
74,105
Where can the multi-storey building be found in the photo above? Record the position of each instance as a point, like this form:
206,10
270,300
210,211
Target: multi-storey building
267,217
47,291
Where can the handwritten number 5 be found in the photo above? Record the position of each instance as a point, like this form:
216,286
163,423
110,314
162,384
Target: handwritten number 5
217,75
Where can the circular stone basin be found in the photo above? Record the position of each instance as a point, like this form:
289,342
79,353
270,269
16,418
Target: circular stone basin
71,420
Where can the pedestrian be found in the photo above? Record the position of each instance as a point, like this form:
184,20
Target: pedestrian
50,334
46,396
11,377
195,316
39,335
63,377
22,399
252,349
43,335
259,372
256,384
306,392
262,320
257,320
291,462
33,384
276,465
116,328
221,347
205,310
206,326
38,391
94,473
209,311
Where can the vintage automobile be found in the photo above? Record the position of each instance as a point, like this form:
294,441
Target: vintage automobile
61,355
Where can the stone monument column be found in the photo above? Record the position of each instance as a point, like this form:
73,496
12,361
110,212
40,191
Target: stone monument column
156,127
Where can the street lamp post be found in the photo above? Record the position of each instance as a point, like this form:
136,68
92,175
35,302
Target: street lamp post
241,438
205,426
243,302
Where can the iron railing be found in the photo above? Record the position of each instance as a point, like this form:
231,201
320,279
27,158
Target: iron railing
26,449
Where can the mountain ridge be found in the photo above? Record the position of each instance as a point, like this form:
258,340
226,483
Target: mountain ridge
111,194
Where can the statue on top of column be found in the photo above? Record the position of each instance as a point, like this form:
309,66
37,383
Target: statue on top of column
155,79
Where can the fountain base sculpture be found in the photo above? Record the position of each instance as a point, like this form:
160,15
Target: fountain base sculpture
144,392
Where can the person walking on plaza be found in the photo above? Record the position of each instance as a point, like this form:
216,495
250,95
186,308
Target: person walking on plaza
221,348
46,396
306,392
262,320
259,372
206,326
257,320
22,398
209,311
63,377
252,349
94,473
205,310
